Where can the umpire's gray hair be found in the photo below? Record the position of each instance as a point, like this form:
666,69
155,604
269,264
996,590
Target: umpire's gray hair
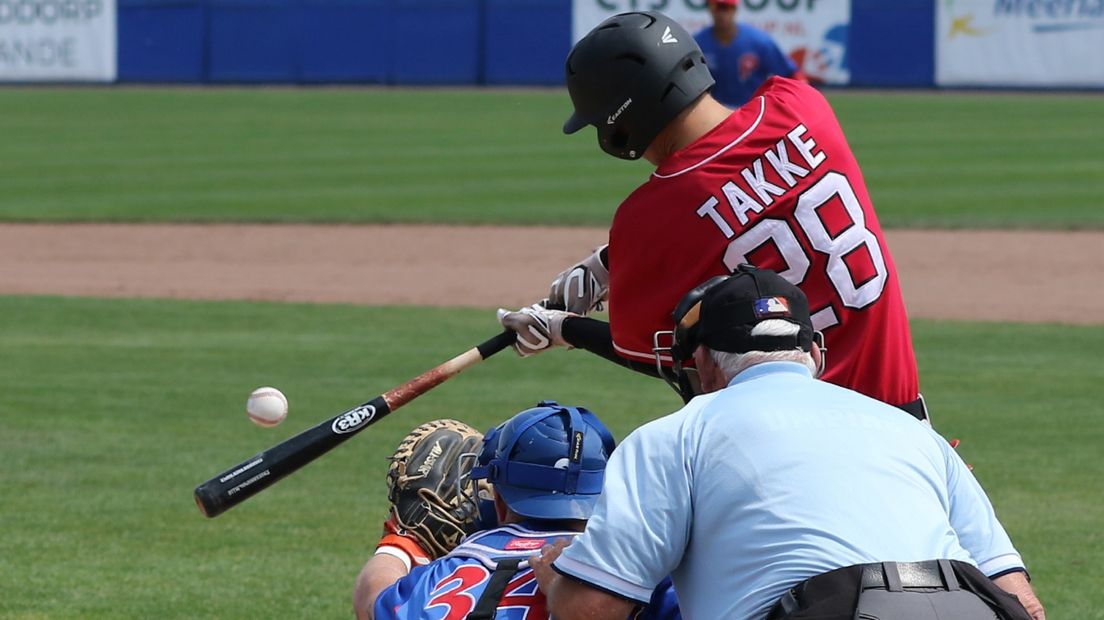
732,364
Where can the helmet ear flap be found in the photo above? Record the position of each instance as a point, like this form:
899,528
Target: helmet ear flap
618,139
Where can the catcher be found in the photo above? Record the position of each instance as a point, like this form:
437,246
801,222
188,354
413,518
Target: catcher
546,464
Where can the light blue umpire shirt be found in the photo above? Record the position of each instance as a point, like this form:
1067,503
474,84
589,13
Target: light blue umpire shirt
749,490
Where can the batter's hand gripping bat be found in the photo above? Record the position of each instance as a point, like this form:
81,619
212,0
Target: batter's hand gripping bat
246,479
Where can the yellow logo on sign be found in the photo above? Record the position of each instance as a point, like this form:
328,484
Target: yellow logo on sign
964,25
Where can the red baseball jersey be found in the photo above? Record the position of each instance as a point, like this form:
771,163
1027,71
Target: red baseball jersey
774,185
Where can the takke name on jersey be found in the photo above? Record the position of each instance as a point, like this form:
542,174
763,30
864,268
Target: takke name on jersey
791,159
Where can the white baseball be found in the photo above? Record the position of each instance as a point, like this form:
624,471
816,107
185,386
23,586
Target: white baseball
267,406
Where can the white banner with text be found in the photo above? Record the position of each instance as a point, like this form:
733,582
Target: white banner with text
57,40
1032,43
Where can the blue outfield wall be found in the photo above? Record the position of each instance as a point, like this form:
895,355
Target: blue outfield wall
346,41
525,41
457,42
162,41
421,42
892,43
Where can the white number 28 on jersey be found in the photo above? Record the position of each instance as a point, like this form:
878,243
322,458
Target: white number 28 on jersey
851,294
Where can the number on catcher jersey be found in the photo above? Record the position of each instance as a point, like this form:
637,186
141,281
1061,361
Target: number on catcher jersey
458,593
796,258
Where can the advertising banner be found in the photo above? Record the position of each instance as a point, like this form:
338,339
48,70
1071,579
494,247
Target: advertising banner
57,40
1033,43
812,32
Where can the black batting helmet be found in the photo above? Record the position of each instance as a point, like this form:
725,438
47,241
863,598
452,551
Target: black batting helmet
630,76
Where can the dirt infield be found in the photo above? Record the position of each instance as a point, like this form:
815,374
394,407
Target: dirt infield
987,275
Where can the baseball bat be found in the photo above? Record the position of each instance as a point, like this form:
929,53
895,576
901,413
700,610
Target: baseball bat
255,474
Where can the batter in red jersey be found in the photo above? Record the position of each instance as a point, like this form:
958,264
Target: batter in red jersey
773,183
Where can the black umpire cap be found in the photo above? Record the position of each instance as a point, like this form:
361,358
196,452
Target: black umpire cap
722,312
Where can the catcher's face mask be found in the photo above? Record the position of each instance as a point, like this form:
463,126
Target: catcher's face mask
480,502
677,346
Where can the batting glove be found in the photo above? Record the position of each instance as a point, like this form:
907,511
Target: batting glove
582,287
538,328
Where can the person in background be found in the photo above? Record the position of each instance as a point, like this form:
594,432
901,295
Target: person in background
740,57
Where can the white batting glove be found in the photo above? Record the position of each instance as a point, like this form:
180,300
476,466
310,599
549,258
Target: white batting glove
582,287
538,328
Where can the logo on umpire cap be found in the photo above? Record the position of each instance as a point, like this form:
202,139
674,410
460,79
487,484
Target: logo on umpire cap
354,419
767,307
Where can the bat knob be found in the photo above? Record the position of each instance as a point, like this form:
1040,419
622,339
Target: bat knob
207,503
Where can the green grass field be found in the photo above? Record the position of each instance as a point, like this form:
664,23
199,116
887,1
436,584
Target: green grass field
114,410
111,411
498,156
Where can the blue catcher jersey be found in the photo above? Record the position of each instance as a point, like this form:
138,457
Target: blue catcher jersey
448,588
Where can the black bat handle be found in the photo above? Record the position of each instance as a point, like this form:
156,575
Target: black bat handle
497,343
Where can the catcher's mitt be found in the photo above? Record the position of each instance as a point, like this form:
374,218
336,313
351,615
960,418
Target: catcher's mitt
426,501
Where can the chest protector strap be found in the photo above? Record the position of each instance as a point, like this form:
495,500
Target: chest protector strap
487,605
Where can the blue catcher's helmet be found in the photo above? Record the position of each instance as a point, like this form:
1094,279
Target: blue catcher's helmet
547,462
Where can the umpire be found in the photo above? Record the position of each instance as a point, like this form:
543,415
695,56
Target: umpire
778,496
